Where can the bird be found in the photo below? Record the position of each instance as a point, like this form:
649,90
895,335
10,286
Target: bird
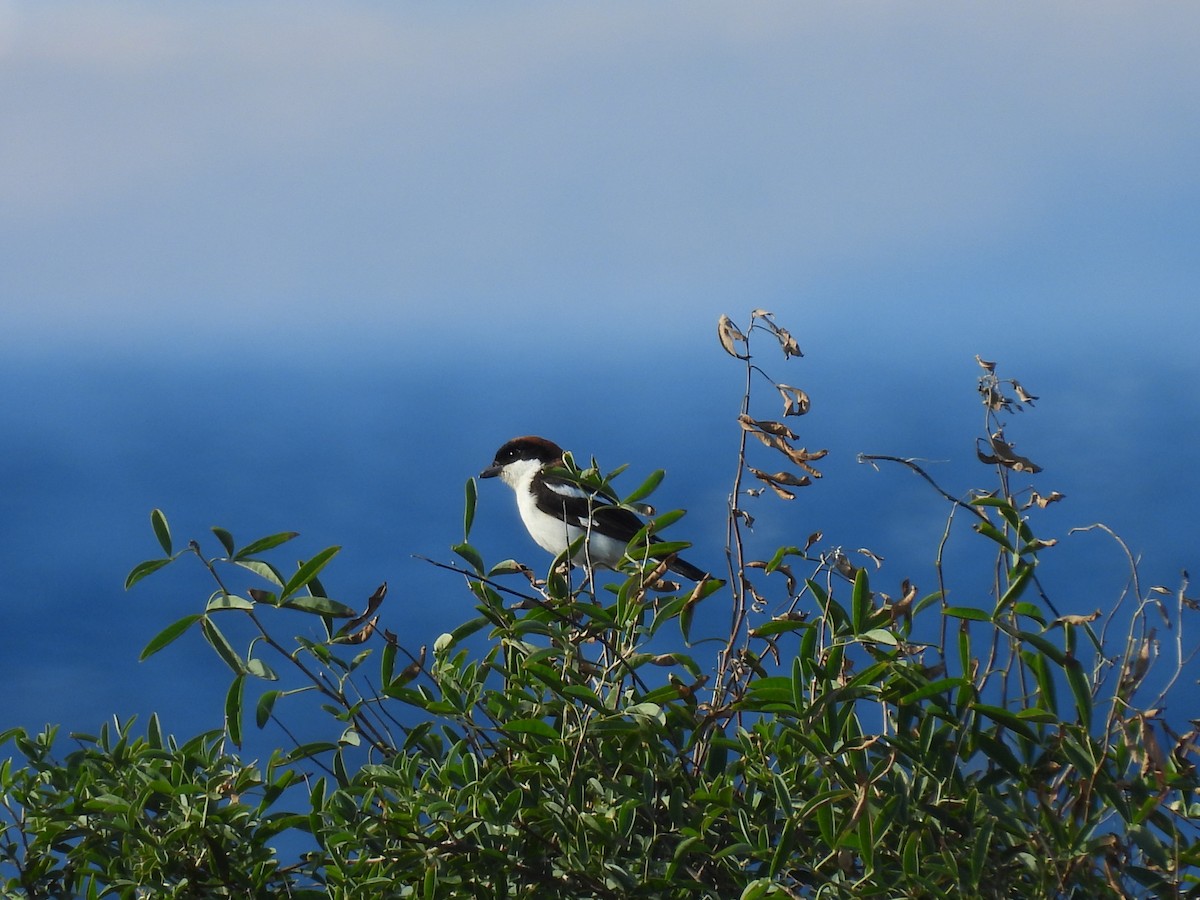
557,511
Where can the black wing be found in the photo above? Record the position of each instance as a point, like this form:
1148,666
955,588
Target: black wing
559,496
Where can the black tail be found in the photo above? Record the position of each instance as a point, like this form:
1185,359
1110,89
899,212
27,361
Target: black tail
686,569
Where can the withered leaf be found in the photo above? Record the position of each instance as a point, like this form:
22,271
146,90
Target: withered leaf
761,314
778,428
874,557
788,343
373,603
795,401
357,637
1003,455
729,336
1156,761
902,608
782,492
1075,620
1023,395
779,479
985,364
993,399
757,602
783,478
1043,502
841,562
800,457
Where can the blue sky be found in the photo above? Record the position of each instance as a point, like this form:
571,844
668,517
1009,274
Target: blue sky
541,209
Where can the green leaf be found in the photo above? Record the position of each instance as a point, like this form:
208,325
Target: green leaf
162,531
987,529
224,649
263,570
168,634
471,555
321,606
260,669
1079,689
469,510
233,710
933,688
980,844
647,487
1044,646
1047,695
225,538
532,726
779,626
967,612
584,694
141,570
309,570
227,601
1006,509
264,707
1016,587
153,732
387,662
860,602
879,636
505,567
269,542
1008,719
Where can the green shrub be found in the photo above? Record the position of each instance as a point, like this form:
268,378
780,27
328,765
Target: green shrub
582,741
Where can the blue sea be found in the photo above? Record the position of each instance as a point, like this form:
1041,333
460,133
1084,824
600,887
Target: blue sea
372,455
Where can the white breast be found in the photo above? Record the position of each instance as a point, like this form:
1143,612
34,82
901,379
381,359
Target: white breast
554,535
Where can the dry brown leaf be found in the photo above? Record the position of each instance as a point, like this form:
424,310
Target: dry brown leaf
783,478
842,563
903,606
783,493
729,336
1043,502
1023,395
373,603
788,343
874,557
1003,455
357,637
1075,620
985,364
1156,762
795,401
776,428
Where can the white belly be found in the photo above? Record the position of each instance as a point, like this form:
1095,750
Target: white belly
554,536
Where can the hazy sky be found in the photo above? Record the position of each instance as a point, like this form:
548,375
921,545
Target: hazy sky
905,184
174,175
